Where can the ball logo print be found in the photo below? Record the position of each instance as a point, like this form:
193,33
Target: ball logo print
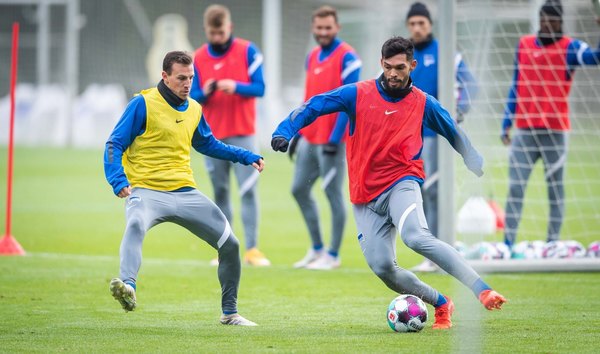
407,313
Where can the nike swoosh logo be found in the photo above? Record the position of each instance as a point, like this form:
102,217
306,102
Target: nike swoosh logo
390,112
218,66
317,71
179,120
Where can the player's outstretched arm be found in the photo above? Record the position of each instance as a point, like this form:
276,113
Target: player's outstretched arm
439,120
468,88
341,99
205,143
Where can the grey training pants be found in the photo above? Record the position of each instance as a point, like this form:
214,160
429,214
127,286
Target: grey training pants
247,178
527,147
430,187
312,163
145,208
401,208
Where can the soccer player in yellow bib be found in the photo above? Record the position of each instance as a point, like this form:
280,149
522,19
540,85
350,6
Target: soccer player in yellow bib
147,161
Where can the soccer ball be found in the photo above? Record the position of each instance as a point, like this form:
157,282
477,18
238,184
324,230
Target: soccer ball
555,249
503,250
576,249
563,249
483,251
528,250
593,250
407,313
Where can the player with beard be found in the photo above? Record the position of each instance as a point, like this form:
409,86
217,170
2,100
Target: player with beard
228,78
538,104
386,118
321,147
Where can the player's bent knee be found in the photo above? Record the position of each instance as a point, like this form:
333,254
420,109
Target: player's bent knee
300,192
135,225
383,269
231,246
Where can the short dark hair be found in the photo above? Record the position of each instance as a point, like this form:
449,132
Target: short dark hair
325,11
176,57
397,45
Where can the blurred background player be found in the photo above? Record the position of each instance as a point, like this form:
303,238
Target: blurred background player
384,145
147,161
229,77
538,103
320,147
425,77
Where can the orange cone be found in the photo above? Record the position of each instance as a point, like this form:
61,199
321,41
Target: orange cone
10,247
499,214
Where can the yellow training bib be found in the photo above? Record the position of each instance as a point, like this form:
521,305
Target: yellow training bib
159,159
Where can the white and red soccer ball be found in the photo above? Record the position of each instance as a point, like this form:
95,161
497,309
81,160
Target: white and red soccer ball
407,313
488,251
528,250
593,250
563,249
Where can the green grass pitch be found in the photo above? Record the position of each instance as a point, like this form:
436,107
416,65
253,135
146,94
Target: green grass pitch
56,298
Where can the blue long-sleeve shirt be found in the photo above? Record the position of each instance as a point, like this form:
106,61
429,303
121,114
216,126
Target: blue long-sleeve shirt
351,65
254,88
133,123
343,99
425,77
578,53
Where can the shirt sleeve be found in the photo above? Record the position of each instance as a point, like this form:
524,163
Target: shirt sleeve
511,100
205,143
439,120
341,99
131,124
580,53
256,86
467,86
351,66
196,91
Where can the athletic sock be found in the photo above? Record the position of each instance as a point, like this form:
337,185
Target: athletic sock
333,254
317,247
131,283
479,286
440,301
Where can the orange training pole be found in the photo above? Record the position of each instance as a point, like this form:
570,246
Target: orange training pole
8,244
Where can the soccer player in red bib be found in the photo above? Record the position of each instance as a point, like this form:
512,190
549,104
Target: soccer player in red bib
386,118
538,105
320,147
228,79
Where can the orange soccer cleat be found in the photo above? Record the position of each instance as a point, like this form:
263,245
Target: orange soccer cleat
491,299
254,257
443,315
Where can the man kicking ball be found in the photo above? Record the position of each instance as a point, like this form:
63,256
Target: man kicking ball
385,171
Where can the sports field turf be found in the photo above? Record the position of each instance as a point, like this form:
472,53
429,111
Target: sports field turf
56,298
